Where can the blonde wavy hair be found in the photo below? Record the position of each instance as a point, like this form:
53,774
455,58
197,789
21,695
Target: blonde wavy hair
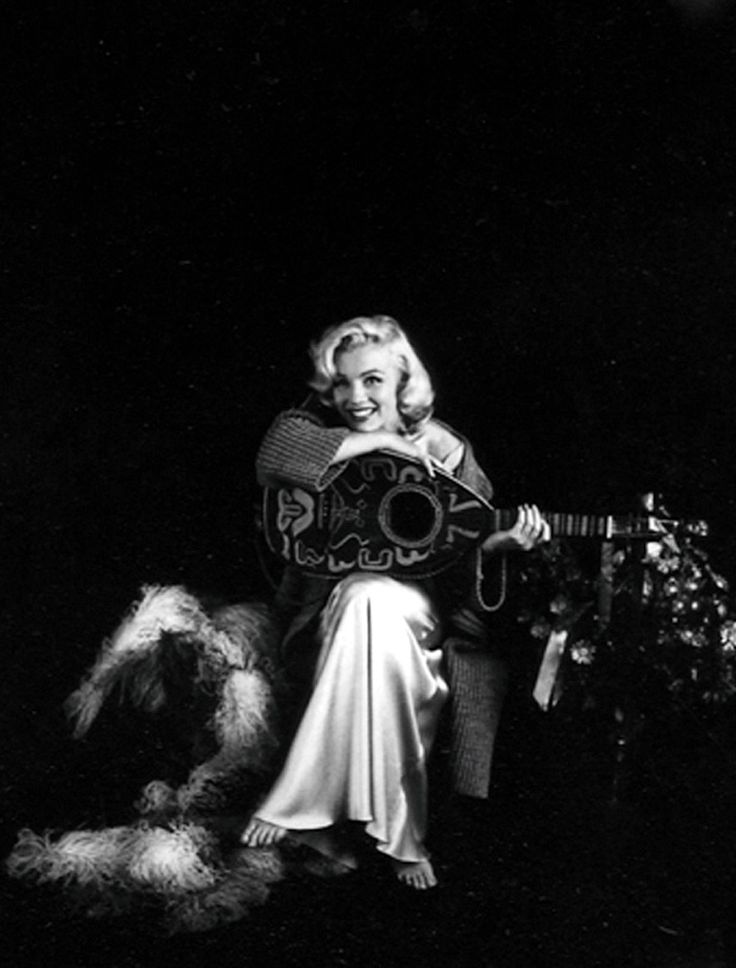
415,396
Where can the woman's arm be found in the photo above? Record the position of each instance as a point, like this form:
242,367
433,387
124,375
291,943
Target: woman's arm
355,444
299,450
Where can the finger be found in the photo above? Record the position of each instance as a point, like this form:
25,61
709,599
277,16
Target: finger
545,532
535,520
537,529
542,530
526,519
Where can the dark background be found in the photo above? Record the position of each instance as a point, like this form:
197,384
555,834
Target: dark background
542,192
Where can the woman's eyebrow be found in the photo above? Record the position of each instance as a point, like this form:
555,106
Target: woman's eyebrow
361,376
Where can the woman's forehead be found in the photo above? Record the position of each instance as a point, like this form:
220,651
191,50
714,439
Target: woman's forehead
360,359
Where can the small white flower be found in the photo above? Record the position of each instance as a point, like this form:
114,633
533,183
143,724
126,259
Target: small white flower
558,604
720,582
582,653
728,636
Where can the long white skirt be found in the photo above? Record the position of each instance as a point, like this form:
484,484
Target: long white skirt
361,748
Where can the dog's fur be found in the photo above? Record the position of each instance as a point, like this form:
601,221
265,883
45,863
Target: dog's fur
175,854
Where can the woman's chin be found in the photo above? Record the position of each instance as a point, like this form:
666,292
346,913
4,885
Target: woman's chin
372,423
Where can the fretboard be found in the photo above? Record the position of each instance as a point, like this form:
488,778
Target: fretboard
604,525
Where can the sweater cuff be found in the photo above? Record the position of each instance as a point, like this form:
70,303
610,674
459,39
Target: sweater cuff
298,452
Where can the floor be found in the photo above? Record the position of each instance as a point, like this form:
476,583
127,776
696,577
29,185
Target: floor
575,859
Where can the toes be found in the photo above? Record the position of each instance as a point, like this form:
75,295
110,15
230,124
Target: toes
258,833
419,876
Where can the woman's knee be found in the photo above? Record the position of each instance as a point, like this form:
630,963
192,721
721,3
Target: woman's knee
388,606
385,593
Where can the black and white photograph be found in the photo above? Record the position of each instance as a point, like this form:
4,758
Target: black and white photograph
369,484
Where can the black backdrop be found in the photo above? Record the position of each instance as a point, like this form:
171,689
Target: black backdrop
542,192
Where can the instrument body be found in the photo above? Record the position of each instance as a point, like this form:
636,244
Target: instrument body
382,514
385,514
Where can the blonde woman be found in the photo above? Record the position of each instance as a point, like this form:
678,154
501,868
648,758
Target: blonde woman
371,645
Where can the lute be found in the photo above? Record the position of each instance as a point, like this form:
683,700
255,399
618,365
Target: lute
384,514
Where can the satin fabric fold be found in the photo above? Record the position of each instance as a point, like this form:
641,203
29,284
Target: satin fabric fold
360,751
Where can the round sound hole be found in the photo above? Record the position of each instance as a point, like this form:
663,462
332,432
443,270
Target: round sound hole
410,516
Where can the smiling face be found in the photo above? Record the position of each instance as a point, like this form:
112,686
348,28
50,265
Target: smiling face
365,391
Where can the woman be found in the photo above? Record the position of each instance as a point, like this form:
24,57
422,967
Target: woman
377,688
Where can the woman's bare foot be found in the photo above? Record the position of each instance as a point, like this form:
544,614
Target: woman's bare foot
417,874
260,833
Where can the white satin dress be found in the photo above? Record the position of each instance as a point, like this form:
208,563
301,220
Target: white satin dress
360,751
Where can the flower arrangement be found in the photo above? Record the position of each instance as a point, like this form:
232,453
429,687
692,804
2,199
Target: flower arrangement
656,623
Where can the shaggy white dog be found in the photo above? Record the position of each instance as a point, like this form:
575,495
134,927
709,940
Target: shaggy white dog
173,855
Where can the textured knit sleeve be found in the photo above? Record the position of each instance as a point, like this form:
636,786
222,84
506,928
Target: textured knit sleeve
298,450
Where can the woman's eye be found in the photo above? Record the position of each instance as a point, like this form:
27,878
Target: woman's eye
372,381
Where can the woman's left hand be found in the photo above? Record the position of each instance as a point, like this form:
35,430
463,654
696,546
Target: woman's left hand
529,530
